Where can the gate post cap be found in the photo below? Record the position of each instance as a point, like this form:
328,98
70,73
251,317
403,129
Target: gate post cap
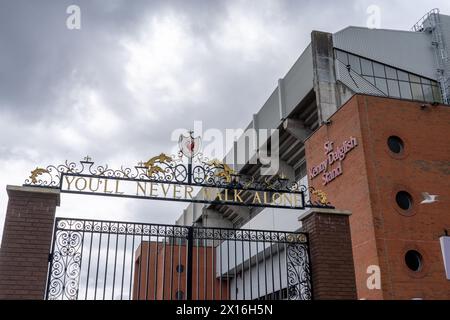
43,190
306,214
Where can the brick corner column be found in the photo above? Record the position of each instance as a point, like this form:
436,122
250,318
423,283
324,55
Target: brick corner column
332,268
26,241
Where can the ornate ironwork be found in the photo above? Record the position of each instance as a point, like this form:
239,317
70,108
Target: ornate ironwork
165,169
65,260
80,269
199,171
249,235
298,271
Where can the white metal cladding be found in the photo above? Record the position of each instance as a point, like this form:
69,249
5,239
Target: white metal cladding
410,51
269,115
298,82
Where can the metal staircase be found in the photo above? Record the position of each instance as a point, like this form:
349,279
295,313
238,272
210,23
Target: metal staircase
431,23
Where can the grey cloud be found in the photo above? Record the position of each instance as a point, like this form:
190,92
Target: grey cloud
66,93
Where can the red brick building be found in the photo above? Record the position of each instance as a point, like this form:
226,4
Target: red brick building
402,149
160,273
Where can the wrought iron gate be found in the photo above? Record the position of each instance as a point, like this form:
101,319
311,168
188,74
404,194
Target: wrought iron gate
110,260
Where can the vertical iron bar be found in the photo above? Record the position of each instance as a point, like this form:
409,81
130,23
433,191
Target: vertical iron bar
265,264
205,264
235,267
171,262
220,266
106,265
198,271
164,262
228,265
273,275
250,264
189,263
190,161
156,262
257,265
115,261
287,274
242,266
50,267
98,260
132,261
178,268
147,270
123,262
140,262
308,257
279,267
213,269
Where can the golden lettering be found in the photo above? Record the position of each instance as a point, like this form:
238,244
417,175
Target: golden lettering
265,197
276,196
288,199
237,196
153,188
69,182
206,194
176,191
297,198
117,187
165,191
257,197
142,188
90,185
186,192
106,187
84,185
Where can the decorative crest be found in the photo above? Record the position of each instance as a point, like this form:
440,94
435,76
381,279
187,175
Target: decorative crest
189,146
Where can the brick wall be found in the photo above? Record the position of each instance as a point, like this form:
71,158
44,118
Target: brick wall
424,166
333,275
26,242
381,233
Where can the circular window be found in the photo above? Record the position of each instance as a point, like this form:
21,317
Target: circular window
180,268
395,144
179,295
404,200
413,260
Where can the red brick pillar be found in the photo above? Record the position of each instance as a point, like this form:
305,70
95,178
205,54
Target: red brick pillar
333,273
27,236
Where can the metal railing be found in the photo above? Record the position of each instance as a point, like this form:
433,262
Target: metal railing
109,260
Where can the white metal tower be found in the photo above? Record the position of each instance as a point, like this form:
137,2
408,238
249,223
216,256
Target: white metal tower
431,23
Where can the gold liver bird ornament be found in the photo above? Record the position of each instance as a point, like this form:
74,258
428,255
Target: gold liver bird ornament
152,167
37,172
321,196
225,172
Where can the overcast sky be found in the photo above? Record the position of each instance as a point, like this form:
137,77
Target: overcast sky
137,70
